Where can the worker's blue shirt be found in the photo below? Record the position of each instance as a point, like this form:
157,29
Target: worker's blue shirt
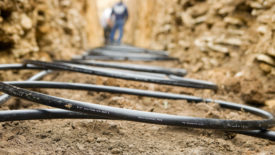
120,12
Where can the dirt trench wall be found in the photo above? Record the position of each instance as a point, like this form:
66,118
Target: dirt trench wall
51,29
140,25
218,32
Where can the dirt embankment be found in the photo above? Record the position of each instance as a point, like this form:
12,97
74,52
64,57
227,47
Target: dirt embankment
46,29
233,39
226,28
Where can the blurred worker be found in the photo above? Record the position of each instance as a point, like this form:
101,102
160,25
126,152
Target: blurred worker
106,23
120,16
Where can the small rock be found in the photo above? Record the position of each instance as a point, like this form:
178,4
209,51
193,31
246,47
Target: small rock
146,100
200,44
265,18
26,22
217,48
21,139
271,51
273,71
171,46
262,29
266,59
165,104
200,19
99,140
183,44
233,20
266,68
236,32
256,12
256,5
270,103
44,28
197,67
214,62
116,151
198,10
230,41
167,28
80,146
187,19
65,3
239,74
225,10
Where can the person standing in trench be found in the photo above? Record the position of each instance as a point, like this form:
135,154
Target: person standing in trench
106,23
120,16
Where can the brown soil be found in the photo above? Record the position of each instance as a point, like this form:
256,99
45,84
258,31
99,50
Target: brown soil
123,137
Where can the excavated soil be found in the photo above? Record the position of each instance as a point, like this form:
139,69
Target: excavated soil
123,137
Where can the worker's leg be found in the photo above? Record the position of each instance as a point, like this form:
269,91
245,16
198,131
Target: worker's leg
107,34
113,32
120,27
106,37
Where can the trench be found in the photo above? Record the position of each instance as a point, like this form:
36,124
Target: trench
220,44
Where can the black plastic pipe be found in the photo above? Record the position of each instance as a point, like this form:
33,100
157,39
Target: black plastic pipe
114,74
134,115
5,97
19,66
132,73
134,67
128,53
125,58
138,92
171,74
143,76
131,49
38,114
34,114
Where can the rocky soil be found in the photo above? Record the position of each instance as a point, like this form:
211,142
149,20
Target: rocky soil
232,37
46,29
226,42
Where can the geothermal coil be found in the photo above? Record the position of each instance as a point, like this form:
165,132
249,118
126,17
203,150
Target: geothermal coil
72,109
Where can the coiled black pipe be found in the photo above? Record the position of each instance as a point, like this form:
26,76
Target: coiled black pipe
134,67
257,133
172,74
126,58
55,114
131,49
5,97
138,76
37,114
132,73
113,74
134,115
127,53
19,66
138,92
